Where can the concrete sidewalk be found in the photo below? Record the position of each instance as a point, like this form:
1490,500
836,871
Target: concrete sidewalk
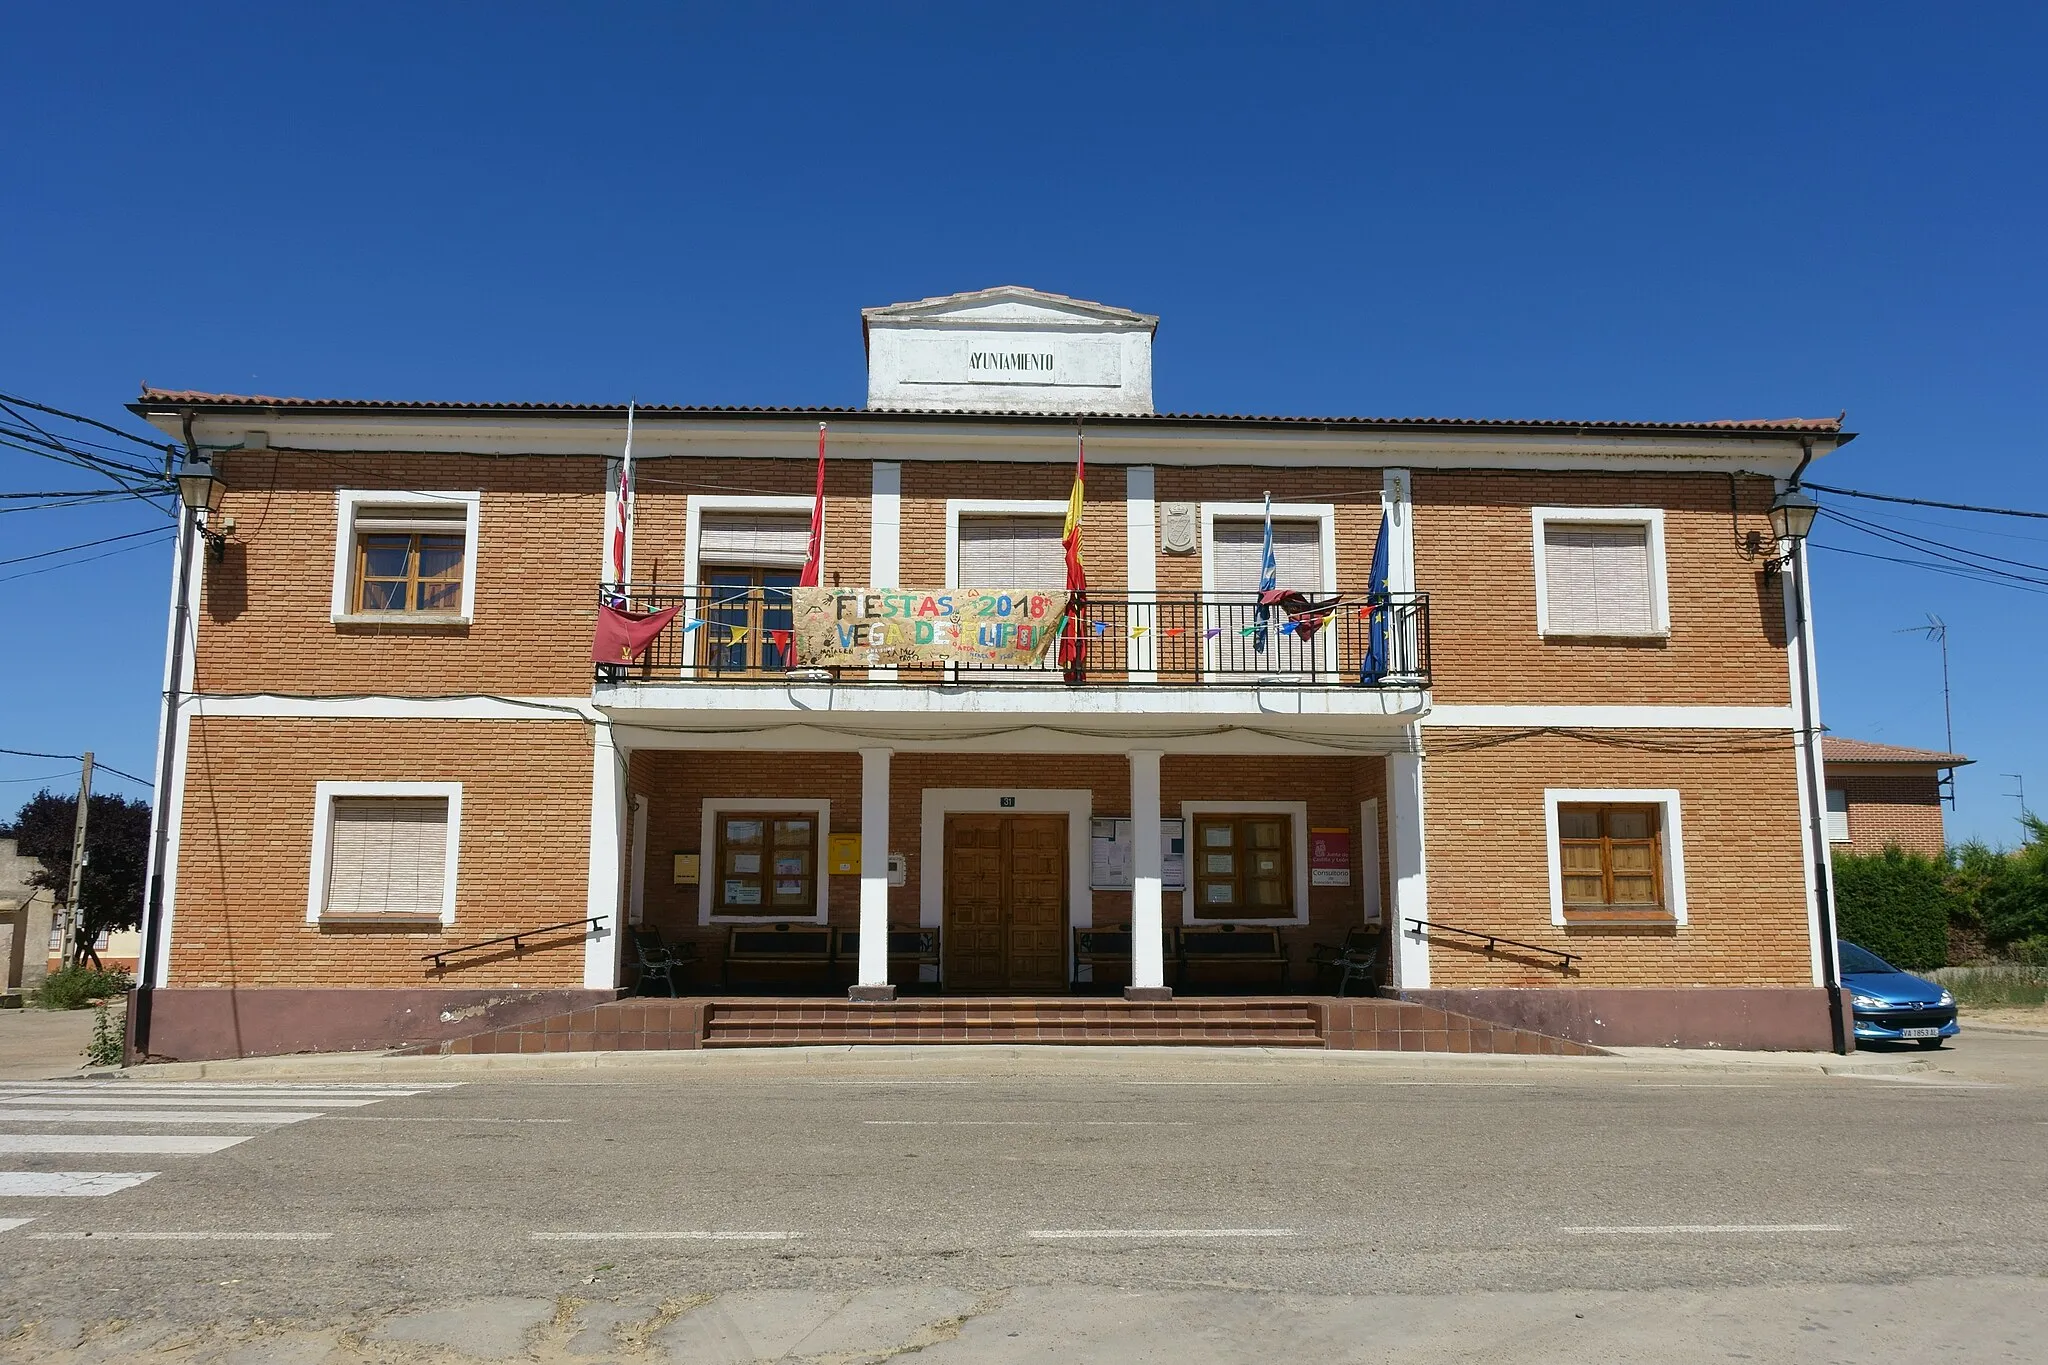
40,1044
390,1066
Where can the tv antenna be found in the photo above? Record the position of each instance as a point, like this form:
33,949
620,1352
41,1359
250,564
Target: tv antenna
1936,630
2019,794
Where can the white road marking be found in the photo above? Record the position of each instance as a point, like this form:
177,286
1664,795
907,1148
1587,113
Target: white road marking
194,1236
9,1224
155,1144
622,1236
119,1092
1108,1234
957,1123
1197,1082
964,1081
66,1184
1137,1123
409,1118
1717,1227
72,1097
247,1116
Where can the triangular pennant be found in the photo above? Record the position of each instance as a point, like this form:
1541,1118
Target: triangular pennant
1137,631
1212,632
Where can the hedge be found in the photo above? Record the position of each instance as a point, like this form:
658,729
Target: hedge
1895,904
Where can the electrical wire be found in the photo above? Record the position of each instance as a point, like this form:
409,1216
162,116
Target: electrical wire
1925,502
6,398
97,766
52,777
2013,582
83,545
169,535
1878,528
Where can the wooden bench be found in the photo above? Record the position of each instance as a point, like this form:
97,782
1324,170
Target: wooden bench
1110,945
1257,945
778,945
911,948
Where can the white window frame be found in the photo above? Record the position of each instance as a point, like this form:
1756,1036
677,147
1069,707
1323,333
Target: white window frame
324,794
1671,839
1651,518
1323,513
1837,834
1299,824
349,503
707,846
992,507
700,503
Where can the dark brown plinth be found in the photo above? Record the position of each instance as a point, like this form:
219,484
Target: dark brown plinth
870,992
1148,992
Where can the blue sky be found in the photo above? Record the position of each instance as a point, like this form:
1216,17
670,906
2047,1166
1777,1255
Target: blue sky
1443,209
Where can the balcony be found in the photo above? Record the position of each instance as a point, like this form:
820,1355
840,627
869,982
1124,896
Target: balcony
742,636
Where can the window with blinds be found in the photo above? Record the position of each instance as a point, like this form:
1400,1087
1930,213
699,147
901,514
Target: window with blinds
1599,579
388,856
753,538
1838,815
1239,546
1011,552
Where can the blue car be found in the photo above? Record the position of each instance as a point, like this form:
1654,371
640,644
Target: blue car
1893,1006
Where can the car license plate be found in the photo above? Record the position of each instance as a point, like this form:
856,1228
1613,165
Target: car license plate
1919,1033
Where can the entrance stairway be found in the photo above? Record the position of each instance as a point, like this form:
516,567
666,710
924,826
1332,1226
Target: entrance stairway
1216,1021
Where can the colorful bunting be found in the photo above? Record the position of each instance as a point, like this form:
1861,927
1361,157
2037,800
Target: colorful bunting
1212,632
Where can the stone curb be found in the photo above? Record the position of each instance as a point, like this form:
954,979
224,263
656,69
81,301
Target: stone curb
386,1066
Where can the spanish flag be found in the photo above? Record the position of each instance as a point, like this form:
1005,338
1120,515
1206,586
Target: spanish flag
1073,641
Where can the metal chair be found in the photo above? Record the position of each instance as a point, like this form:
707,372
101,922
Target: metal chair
1357,960
657,962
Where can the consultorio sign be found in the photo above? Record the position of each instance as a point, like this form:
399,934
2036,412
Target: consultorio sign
889,627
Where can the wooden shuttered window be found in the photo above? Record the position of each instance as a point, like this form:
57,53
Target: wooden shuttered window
388,856
1598,579
753,538
1243,866
1239,546
410,559
1611,858
767,865
1011,552
1838,815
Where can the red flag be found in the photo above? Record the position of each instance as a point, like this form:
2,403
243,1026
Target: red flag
814,554
623,636
1073,643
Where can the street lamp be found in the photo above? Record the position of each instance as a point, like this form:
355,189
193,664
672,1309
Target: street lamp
201,489
1792,516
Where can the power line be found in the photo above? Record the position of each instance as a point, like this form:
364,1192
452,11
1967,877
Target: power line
6,398
168,533
1934,546
1924,502
76,758
83,545
2013,581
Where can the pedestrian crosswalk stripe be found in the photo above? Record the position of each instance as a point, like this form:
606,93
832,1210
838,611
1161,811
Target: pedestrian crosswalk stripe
245,1116
75,1100
116,1091
155,1144
66,1184
9,1224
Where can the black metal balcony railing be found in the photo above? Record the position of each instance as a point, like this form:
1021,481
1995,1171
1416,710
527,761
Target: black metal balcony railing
742,635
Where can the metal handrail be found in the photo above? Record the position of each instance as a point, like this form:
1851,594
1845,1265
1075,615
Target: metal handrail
1169,639
589,924
1423,926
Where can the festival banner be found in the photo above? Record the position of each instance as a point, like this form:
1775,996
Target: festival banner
896,627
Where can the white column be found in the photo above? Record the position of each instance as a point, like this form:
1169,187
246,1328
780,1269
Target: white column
1411,873
607,847
1148,960
885,537
1141,568
874,878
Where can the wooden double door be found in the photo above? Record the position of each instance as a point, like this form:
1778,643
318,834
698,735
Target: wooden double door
1005,928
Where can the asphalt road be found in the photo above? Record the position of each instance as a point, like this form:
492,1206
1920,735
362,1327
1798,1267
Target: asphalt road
1040,1207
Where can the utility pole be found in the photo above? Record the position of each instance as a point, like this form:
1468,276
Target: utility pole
70,918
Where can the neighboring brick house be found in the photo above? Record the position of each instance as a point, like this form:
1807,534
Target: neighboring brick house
1556,702
1884,794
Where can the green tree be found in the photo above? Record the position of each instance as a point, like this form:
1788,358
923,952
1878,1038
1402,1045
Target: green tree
1896,904
2013,901
116,857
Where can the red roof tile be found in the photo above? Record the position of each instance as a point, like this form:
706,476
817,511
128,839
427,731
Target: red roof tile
196,398
1837,749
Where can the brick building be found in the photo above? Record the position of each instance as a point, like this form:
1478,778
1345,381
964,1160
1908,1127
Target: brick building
1526,735
1881,795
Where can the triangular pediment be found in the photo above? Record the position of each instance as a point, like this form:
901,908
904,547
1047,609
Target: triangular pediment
1005,306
